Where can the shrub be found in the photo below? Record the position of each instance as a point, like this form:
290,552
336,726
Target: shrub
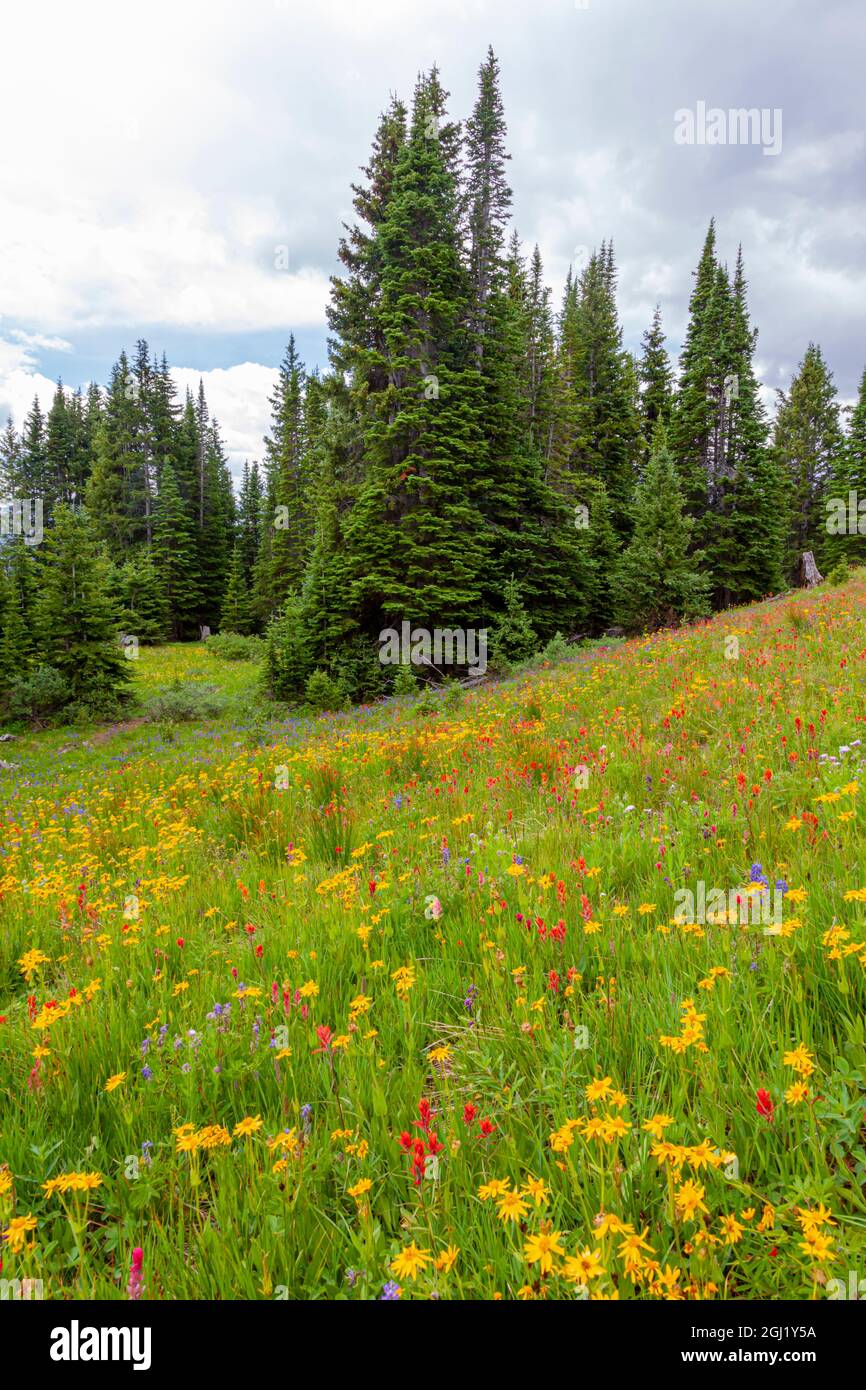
38,696
452,695
405,681
287,658
839,574
323,694
428,705
357,669
182,703
512,638
232,646
557,649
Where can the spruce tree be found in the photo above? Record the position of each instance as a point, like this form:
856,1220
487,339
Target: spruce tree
116,494
236,604
807,443
596,425
416,535
18,637
214,537
657,581
693,418
749,565
287,486
845,497
656,379
512,638
175,555
76,620
31,480
144,612
357,344
10,461
250,500
487,195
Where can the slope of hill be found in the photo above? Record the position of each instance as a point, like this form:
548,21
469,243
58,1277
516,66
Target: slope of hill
560,986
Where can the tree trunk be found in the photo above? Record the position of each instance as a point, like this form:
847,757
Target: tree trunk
809,574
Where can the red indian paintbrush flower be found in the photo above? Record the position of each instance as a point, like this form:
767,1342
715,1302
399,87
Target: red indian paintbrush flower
764,1105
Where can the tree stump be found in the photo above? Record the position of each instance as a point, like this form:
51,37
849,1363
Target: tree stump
809,572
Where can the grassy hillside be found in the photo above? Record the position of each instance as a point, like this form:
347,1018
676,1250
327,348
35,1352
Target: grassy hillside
391,1004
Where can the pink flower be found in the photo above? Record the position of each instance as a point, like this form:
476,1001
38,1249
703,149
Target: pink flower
135,1285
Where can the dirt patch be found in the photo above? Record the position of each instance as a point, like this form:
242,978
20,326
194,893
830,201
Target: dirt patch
103,735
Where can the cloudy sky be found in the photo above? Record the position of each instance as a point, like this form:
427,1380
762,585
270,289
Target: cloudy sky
179,171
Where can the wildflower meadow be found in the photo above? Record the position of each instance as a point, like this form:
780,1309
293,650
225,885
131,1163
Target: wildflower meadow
408,1002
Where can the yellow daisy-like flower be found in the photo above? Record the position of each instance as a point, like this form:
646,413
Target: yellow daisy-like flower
410,1260
362,1186
731,1229
690,1200
540,1249
796,1094
811,1220
583,1267
15,1234
801,1060
494,1188
30,963
815,1245
598,1089
768,1218
114,1081
247,1126
72,1182
512,1207
537,1189
446,1259
657,1125
608,1225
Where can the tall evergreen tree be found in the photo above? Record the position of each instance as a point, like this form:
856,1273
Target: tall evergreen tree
76,621
215,537
656,379
747,557
357,345
31,480
807,443
694,414
18,636
117,489
488,197
250,500
415,535
236,605
10,461
596,430
845,499
658,581
287,486
175,556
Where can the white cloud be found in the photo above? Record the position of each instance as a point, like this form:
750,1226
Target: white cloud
20,381
238,398
173,150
